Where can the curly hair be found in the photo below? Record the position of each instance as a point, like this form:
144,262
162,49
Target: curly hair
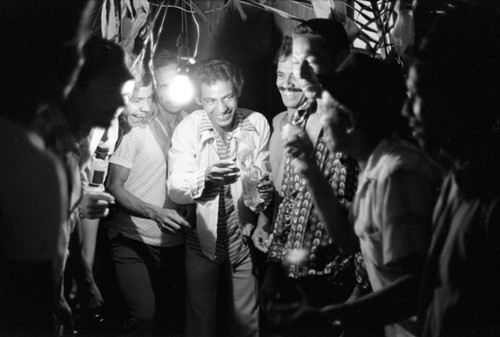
215,70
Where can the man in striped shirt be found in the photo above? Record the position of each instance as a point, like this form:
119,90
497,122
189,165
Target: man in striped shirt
203,172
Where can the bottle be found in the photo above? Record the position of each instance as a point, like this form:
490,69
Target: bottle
250,175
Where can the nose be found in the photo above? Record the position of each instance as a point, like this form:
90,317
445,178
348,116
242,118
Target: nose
221,107
289,81
145,107
306,72
407,111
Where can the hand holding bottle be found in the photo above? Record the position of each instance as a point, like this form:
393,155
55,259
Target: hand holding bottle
223,172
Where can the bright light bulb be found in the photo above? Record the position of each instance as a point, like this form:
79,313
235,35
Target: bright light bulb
181,91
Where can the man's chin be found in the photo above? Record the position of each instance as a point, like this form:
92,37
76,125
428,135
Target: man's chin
173,109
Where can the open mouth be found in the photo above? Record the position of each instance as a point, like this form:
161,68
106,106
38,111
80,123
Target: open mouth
225,116
289,93
138,116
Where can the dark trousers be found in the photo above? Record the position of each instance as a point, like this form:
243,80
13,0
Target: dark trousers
151,280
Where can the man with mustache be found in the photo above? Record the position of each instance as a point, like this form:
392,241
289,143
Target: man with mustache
302,256
292,97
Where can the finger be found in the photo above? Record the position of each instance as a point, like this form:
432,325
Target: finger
98,205
231,180
170,226
179,220
265,189
103,196
261,248
256,240
265,183
224,163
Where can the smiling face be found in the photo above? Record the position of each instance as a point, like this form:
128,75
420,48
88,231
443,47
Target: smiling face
288,85
220,102
138,105
310,58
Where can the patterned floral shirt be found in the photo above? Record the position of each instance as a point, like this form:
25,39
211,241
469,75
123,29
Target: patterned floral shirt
300,242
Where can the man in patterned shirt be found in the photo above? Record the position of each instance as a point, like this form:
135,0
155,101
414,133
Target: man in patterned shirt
302,254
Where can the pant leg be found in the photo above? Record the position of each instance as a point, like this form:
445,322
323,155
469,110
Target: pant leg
130,258
245,293
169,285
201,294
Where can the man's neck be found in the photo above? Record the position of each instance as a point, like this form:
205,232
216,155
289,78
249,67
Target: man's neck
363,149
167,117
290,112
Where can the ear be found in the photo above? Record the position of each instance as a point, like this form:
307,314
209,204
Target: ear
341,56
350,122
197,100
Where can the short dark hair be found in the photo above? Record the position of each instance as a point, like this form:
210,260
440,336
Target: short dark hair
285,49
102,57
372,90
164,58
215,70
330,33
37,58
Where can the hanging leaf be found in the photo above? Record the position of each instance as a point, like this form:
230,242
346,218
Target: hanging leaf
145,6
128,5
140,20
273,10
104,18
199,12
112,30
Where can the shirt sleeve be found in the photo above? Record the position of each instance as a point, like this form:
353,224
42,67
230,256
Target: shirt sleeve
407,200
186,182
130,145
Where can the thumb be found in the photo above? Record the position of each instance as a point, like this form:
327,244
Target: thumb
104,196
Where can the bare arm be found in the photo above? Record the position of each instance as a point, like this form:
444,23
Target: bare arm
169,219
328,208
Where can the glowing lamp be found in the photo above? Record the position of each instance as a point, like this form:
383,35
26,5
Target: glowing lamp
181,91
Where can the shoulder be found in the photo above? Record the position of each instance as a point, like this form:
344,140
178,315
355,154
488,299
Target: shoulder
188,127
138,132
194,118
256,118
404,158
278,118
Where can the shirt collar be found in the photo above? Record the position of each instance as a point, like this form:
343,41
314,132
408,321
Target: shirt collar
384,147
206,128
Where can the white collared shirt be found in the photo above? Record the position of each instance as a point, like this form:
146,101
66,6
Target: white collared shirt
193,150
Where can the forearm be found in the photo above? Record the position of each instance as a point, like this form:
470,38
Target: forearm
331,212
132,204
390,305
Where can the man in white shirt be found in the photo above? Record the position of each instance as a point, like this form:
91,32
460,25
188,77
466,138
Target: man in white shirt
202,171
146,230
